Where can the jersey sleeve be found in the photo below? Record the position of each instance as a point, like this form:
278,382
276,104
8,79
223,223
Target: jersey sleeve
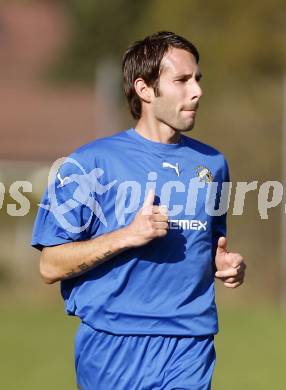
66,211
220,222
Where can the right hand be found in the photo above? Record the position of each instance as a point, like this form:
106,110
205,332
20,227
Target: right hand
149,223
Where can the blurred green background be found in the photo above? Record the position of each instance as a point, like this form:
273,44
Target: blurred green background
60,80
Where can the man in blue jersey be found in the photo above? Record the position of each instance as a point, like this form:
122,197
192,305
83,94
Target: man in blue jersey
132,227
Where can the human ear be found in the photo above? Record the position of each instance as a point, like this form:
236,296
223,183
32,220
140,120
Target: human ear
142,90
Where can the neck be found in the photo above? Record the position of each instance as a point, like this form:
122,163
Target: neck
158,132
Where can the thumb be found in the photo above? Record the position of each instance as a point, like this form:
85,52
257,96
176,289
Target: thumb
149,201
221,245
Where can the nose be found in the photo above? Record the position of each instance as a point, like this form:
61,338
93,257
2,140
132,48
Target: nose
197,91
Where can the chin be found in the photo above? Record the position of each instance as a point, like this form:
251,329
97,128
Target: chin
187,129
181,126
184,129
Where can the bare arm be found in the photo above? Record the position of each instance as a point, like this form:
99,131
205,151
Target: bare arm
68,260
74,258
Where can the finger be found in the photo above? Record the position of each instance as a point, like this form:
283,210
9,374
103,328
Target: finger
160,218
230,272
161,225
238,278
221,245
233,285
156,209
237,260
241,267
161,232
161,209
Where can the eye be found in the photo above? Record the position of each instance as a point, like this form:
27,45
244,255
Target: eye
183,80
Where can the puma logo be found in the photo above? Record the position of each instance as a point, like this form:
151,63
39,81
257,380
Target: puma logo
175,167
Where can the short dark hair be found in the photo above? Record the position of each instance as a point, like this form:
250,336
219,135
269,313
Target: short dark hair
143,59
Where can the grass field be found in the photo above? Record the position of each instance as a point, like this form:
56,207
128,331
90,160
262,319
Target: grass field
37,349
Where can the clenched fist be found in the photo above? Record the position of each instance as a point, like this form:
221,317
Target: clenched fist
149,223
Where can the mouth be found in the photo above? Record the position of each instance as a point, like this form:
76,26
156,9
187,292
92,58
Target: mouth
193,112
192,109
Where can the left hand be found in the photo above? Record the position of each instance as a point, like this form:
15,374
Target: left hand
230,266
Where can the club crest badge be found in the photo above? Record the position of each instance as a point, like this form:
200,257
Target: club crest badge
204,174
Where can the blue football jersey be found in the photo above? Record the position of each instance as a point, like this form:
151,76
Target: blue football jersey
165,287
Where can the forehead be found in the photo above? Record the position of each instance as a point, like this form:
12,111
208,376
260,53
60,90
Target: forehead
178,61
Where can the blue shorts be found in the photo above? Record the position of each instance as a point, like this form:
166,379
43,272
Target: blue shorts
105,361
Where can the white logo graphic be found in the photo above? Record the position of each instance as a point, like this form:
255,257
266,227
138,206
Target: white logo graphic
187,224
62,181
168,165
87,184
